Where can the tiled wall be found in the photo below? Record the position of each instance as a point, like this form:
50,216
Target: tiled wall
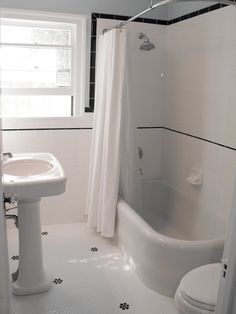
200,101
121,18
193,110
72,148
201,76
181,153
95,17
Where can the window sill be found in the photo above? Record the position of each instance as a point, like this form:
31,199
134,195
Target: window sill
82,122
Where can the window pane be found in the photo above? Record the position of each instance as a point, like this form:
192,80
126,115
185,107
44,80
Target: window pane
36,106
34,35
33,67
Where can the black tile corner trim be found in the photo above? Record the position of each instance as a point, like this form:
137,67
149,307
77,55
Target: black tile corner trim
93,42
196,13
187,134
95,16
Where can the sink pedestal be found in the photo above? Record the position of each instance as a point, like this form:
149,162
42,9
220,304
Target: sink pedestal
32,277
28,177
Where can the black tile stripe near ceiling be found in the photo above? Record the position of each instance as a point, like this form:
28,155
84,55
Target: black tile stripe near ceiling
95,16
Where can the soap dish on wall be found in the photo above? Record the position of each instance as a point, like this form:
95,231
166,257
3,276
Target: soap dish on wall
196,177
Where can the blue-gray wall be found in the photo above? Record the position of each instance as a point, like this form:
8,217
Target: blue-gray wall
122,7
179,9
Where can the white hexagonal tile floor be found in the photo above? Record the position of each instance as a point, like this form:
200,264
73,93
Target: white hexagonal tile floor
90,276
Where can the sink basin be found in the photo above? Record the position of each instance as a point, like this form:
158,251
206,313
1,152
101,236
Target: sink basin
27,167
33,175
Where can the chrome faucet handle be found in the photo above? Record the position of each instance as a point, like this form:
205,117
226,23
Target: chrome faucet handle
140,153
8,154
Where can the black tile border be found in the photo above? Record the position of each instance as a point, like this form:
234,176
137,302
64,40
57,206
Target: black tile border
187,134
198,12
93,42
139,128
93,39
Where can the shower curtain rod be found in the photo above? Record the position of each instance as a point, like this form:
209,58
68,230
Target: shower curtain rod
160,3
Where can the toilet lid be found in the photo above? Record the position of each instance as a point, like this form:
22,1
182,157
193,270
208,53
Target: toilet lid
201,285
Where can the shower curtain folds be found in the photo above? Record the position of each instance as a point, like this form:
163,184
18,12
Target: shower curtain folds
104,171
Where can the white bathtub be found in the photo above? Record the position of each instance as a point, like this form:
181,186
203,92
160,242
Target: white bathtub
171,238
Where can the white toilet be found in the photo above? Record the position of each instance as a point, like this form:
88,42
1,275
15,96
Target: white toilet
198,289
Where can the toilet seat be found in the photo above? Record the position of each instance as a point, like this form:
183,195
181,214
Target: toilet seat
194,303
198,289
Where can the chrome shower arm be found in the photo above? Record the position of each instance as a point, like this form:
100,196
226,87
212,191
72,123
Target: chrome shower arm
226,2
165,2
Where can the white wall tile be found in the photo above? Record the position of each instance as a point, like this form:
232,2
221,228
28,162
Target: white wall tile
180,153
71,148
200,78
144,70
150,140
200,100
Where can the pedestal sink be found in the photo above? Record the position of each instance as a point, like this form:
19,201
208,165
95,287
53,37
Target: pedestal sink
29,177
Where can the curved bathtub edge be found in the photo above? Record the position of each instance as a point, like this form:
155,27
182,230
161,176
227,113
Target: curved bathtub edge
154,235
159,261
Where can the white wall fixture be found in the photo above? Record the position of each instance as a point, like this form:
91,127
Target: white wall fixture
196,177
28,177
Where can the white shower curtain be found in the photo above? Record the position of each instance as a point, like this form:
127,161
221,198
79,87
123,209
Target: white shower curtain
104,172
130,179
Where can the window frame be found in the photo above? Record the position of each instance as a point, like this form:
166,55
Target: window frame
78,61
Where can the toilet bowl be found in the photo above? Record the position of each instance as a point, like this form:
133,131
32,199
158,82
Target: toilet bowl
198,289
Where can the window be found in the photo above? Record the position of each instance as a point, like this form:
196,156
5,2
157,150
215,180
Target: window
42,65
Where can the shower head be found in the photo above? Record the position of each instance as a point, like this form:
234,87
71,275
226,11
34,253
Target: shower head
146,45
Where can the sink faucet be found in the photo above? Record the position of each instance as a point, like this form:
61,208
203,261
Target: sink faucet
8,155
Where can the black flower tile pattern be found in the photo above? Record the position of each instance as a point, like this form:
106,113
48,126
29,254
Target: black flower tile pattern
15,257
94,249
44,233
57,281
124,306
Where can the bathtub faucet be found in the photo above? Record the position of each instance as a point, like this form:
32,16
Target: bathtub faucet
140,153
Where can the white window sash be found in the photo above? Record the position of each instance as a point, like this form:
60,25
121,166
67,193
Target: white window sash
38,91
77,24
35,45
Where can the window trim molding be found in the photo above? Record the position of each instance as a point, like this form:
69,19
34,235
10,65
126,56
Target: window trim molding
83,121
79,57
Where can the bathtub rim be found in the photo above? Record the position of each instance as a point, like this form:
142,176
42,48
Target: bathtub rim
165,240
